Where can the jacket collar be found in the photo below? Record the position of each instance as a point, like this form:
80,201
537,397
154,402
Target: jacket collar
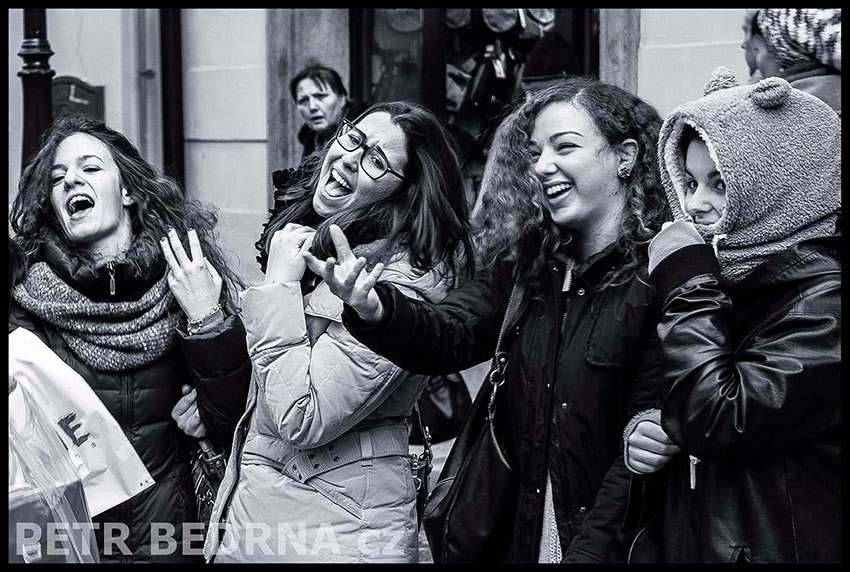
133,275
595,267
797,262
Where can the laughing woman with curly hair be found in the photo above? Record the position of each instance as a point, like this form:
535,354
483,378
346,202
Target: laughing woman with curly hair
570,200
101,228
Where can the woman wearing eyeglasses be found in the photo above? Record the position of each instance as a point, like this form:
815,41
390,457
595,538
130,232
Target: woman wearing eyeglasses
319,469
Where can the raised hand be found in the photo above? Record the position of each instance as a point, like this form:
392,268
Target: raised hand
194,282
285,263
187,416
346,276
649,448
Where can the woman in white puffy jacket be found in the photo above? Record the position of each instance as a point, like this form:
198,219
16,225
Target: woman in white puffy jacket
319,469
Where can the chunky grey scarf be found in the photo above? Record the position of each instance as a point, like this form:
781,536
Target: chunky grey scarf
107,336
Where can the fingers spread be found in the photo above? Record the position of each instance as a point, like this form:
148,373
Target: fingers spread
177,247
195,246
356,270
169,257
343,249
372,278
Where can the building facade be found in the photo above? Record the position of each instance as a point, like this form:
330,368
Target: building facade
239,122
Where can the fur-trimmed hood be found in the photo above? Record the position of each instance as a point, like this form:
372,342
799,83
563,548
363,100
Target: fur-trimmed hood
778,151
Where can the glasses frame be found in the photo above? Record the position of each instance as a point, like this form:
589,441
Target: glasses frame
347,126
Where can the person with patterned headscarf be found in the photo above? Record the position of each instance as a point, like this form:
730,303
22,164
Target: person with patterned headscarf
802,45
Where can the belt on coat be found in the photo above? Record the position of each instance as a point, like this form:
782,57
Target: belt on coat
363,445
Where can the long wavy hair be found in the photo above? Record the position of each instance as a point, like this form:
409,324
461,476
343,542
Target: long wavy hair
427,215
512,221
159,204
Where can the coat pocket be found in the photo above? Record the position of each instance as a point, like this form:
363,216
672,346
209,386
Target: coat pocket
617,330
344,486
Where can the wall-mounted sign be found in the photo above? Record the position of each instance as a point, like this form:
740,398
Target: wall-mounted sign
72,95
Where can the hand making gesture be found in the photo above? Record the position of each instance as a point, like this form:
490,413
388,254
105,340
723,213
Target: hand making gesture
346,276
194,282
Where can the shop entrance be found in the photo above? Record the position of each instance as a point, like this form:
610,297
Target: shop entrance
468,64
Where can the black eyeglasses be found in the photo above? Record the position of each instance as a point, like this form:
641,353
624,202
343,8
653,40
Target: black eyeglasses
373,161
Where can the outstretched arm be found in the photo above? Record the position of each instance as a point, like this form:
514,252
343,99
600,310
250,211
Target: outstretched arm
459,332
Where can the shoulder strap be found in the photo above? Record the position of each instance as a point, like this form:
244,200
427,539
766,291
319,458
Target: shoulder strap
496,376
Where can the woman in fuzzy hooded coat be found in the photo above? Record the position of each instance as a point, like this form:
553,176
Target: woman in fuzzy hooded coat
750,329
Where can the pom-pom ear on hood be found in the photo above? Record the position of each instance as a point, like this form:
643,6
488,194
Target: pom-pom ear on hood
778,151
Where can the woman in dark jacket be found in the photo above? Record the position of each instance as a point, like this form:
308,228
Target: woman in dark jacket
322,102
750,331
94,217
569,202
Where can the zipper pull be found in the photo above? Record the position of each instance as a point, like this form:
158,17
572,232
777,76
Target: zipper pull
111,269
568,277
694,462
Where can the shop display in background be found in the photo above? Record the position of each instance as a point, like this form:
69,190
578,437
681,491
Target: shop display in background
487,51
396,67
491,56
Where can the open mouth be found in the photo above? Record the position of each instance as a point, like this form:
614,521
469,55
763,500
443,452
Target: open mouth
558,190
337,186
78,205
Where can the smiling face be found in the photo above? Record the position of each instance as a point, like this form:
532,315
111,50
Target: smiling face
578,170
342,182
87,197
318,105
705,191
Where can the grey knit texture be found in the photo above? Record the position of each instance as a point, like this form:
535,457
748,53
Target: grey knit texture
799,35
106,336
778,150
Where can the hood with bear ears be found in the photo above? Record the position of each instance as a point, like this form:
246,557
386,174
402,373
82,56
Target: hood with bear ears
777,149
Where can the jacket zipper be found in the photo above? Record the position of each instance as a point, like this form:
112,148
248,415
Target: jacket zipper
693,463
110,267
568,278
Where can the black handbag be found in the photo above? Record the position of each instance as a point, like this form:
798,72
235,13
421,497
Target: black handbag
443,407
643,524
469,515
208,463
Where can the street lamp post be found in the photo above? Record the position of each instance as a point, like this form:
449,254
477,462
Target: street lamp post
35,78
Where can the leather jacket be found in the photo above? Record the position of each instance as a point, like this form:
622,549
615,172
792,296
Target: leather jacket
754,370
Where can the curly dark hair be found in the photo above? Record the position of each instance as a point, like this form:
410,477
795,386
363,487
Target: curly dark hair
427,215
512,221
159,204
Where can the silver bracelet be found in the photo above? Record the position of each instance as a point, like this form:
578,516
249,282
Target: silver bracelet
195,325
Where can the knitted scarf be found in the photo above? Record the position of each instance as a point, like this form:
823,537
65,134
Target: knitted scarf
106,336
